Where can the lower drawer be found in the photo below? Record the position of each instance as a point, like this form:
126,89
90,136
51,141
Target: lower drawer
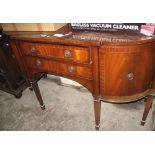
59,68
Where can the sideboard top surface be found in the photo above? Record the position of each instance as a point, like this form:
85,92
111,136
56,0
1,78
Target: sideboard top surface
82,38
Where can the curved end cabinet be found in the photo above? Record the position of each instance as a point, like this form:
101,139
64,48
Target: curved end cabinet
113,67
126,71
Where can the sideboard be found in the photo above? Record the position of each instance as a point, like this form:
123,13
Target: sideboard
114,67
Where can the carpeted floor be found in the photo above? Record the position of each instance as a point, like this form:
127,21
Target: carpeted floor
67,109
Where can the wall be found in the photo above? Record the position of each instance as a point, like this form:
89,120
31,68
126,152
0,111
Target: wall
31,26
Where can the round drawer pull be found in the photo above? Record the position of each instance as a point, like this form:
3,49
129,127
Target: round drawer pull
130,76
71,69
33,49
38,63
67,53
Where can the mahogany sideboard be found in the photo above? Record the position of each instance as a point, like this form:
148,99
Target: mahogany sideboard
114,67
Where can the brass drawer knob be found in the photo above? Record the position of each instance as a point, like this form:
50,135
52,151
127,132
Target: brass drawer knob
130,76
71,69
33,49
67,53
38,63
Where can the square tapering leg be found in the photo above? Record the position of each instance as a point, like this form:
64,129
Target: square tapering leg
97,111
147,108
38,95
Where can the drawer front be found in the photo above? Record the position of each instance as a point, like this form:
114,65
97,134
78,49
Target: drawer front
59,68
68,53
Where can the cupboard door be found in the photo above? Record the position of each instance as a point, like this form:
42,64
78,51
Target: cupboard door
126,71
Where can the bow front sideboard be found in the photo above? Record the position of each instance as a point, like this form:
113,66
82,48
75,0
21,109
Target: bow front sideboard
117,68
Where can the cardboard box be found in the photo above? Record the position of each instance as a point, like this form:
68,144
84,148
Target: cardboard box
107,27
148,30
32,26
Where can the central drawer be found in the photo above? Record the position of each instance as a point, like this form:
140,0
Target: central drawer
57,67
66,53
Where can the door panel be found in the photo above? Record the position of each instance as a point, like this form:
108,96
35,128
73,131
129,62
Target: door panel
126,71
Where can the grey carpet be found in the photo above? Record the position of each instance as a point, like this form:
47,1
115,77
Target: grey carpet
67,109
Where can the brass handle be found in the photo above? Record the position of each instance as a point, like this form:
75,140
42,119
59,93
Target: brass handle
67,53
130,76
71,69
38,63
33,49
